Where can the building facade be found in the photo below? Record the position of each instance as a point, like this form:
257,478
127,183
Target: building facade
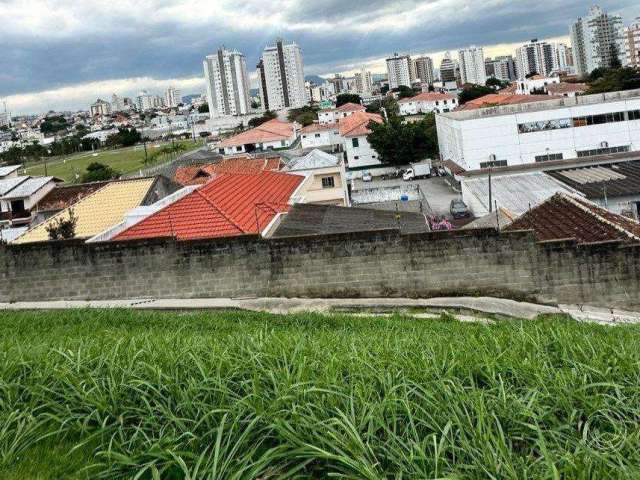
100,108
541,131
597,41
448,69
281,76
502,67
632,44
536,57
399,71
427,102
424,70
472,68
227,83
364,83
172,97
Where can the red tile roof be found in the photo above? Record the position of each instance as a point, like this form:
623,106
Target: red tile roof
564,217
227,206
270,131
499,99
197,175
319,127
356,125
63,196
428,97
351,107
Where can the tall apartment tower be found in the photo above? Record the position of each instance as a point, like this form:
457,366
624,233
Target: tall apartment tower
502,67
472,65
447,69
597,41
172,97
399,71
281,76
424,70
227,82
364,82
536,57
632,44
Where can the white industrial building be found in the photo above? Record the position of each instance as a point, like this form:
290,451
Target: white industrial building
472,68
596,39
227,83
399,71
533,132
281,77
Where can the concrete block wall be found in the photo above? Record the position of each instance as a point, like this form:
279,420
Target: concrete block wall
372,264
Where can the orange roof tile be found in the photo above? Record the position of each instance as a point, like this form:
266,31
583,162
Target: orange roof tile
318,127
428,97
197,175
499,99
351,107
357,124
227,206
270,131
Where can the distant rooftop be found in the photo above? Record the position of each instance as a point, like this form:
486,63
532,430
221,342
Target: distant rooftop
312,160
542,105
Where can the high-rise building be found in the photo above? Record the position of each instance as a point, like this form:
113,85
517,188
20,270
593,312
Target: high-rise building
100,108
536,57
227,83
5,119
502,67
339,84
632,44
399,71
281,76
172,97
472,65
597,41
563,57
145,101
447,69
364,83
424,70
117,103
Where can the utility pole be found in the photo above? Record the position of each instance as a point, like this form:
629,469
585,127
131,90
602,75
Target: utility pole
146,157
490,193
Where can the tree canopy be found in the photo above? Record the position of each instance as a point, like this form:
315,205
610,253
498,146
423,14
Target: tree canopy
345,98
389,103
53,124
400,143
125,137
204,108
266,116
406,92
304,115
613,80
98,172
473,91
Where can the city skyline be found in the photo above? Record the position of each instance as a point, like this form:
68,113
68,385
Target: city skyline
325,52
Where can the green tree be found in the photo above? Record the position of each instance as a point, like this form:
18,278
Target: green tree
345,98
268,115
63,228
98,172
472,91
496,83
305,115
614,80
53,124
389,104
400,143
204,108
406,92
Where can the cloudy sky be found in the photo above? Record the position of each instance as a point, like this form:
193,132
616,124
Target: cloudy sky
59,54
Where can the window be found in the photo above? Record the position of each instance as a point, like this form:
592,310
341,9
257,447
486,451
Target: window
317,135
548,157
530,127
355,142
304,136
328,182
603,151
599,119
283,143
356,157
239,148
634,115
493,164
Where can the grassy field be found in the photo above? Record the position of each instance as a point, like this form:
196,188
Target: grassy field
124,160
121,394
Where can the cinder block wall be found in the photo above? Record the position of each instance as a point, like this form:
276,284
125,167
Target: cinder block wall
375,264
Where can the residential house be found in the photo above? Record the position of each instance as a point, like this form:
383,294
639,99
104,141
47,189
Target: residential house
103,208
61,197
9,171
200,174
333,115
230,205
427,103
359,153
536,84
271,135
19,195
326,172
320,135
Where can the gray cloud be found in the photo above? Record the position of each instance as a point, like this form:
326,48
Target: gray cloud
88,42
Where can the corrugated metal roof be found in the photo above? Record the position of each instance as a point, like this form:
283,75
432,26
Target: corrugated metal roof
516,193
8,184
28,187
312,160
98,211
618,179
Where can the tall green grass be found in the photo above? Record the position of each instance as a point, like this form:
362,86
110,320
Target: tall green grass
121,394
